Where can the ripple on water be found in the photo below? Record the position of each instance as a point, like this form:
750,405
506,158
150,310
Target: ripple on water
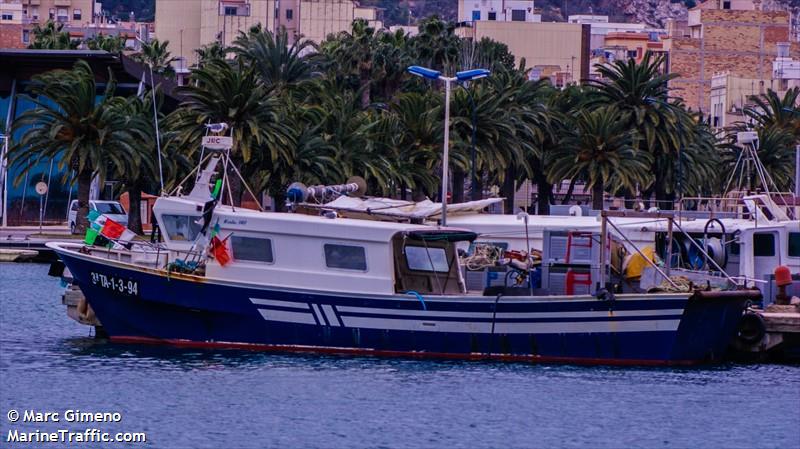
192,398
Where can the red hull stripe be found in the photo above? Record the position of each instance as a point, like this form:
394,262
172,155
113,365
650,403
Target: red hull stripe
402,354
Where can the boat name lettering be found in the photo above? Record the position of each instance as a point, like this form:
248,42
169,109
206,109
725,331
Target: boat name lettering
125,286
230,221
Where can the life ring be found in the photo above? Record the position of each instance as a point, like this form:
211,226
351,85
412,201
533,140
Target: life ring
752,328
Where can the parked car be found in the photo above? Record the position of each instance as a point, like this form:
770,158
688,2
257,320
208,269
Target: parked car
111,209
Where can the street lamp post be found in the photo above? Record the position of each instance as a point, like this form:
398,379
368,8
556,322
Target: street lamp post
466,75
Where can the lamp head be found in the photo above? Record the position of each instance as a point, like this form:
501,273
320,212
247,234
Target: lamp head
474,74
424,72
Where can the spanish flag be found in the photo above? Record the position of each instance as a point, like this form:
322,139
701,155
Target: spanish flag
112,230
220,251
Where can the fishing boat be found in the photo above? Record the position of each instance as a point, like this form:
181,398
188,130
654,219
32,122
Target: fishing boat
227,277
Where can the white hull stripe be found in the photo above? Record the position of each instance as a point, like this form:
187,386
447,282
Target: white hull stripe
513,328
477,327
287,317
333,318
275,303
422,314
320,316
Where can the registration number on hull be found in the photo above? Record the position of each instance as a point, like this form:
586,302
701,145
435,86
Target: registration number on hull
127,287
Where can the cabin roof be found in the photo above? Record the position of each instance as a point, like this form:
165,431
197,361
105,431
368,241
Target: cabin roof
248,220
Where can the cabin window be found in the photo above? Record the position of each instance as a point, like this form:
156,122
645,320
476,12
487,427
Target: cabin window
346,257
252,249
419,258
794,244
764,245
182,227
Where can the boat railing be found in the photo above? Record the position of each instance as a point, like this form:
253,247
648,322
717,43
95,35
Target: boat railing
672,225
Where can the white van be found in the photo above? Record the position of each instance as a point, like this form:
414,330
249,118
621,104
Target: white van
111,209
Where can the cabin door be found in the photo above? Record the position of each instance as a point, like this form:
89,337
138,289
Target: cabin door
766,253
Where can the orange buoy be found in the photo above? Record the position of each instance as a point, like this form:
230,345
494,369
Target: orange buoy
783,276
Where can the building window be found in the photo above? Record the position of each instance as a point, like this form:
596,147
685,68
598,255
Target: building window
419,258
35,13
492,15
289,14
726,5
476,15
632,54
26,36
6,16
76,14
517,15
764,245
52,14
62,15
346,257
230,10
252,249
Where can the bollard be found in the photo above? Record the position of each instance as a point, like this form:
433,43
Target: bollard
783,279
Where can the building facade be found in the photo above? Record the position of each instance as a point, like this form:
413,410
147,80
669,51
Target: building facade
740,42
497,10
80,18
190,24
559,51
730,94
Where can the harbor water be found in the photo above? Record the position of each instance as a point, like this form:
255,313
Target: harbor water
210,399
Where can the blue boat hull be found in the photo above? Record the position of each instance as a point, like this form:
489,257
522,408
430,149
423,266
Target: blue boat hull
195,311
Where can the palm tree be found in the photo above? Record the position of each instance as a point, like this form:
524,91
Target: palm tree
639,92
51,37
233,94
156,55
111,44
281,66
436,46
86,134
352,133
412,134
214,50
351,53
601,151
141,173
770,110
314,158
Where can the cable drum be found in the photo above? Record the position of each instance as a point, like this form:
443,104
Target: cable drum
715,247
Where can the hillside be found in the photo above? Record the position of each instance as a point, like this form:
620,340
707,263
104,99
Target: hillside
652,12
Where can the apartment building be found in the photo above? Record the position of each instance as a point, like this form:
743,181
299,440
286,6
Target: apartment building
80,18
730,94
190,24
559,51
18,17
497,10
601,27
734,37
